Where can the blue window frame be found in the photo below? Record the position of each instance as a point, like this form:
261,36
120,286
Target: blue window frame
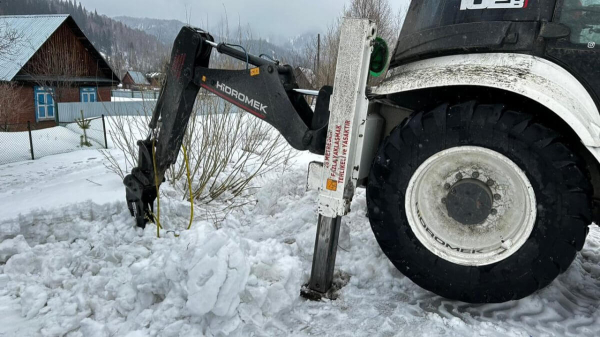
88,95
44,103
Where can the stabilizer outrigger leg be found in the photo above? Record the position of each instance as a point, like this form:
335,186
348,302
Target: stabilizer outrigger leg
321,274
340,172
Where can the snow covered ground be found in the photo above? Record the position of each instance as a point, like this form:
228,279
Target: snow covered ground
72,264
14,146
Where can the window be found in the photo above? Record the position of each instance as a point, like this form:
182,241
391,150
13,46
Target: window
44,103
583,17
88,95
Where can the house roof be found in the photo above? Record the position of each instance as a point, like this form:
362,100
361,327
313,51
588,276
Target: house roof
33,31
138,78
308,74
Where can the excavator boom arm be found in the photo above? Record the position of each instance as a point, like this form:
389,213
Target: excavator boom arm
265,89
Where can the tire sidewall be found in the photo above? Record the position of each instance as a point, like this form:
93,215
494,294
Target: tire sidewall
511,278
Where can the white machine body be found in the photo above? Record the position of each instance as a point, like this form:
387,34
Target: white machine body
538,79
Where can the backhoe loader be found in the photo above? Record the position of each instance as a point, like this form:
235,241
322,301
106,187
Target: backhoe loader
479,151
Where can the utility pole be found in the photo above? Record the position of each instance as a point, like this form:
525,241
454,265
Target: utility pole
318,59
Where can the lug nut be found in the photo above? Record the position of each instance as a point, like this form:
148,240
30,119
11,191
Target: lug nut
475,175
493,211
459,176
443,200
497,197
453,191
447,186
490,182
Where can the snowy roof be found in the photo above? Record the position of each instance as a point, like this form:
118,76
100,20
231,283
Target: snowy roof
33,31
153,75
138,77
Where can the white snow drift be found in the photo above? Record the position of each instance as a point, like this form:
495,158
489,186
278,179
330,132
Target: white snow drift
71,267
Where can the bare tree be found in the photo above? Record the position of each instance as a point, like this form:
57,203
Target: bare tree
10,40
10,102
379,11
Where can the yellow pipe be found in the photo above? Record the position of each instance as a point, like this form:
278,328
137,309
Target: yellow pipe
189,181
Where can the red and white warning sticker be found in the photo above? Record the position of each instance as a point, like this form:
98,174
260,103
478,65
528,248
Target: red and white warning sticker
337,149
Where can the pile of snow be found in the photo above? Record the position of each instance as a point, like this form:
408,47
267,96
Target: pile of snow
71,267
100,274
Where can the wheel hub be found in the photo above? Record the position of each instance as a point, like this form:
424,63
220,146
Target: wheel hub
469,202
470,205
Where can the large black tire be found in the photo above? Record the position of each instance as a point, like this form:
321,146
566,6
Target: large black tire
558,177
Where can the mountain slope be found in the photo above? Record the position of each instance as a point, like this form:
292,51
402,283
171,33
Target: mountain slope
166,31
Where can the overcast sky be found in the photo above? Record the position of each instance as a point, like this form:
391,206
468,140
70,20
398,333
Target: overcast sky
266,17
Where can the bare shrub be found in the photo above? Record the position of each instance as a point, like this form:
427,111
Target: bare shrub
226,148
125,129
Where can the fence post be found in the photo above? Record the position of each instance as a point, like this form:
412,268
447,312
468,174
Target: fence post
30,140
104,129
57,113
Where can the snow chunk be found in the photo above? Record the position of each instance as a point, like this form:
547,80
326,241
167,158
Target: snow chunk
217,277
13,247
33,299
91,328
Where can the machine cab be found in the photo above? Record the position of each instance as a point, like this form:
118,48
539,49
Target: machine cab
566,32
579,51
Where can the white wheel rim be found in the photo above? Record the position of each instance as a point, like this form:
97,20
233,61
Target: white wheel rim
501,234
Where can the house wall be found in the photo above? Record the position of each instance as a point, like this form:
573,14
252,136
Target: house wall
72,95
127,81
69,95
104,94
63,55
25,110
